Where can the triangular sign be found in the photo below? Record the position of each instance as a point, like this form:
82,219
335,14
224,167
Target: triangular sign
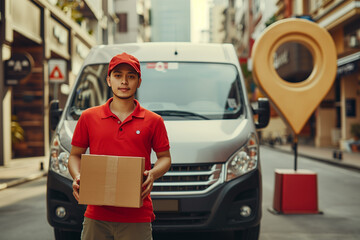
56,73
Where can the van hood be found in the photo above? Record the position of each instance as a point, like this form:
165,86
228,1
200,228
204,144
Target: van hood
193,141
206,141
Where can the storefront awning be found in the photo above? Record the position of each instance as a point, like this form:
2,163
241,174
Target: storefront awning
348,59
348,65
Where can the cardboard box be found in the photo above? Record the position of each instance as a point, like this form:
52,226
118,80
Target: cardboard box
111,180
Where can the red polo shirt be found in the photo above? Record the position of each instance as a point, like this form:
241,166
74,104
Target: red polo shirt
102,131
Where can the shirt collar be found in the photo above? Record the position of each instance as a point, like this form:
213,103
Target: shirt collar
139,111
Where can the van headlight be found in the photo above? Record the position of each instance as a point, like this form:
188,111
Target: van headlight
244,160
59,158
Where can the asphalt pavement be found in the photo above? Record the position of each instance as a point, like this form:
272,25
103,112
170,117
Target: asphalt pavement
23,170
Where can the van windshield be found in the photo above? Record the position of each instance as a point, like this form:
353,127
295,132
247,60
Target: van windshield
175,90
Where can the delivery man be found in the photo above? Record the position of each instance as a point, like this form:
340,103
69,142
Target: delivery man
121,127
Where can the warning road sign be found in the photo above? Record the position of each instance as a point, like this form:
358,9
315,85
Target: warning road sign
56,74
57,70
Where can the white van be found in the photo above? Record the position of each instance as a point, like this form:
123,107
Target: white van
214,183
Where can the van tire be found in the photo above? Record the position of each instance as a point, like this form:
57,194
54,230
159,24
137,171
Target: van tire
248,234
66,235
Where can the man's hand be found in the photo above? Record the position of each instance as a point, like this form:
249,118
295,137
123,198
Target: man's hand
74,168
161,166
147,185
76,187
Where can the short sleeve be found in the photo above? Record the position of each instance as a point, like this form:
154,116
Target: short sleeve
160,140
81,133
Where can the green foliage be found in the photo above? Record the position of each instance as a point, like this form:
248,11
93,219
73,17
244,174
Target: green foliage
270,21
17,132
73,6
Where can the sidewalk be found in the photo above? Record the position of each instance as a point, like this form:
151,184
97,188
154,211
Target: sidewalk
23,170
346,159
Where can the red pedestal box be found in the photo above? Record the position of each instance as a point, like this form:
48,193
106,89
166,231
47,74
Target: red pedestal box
295,192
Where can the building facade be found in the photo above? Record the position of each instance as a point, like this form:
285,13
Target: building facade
133,21
43,45
216,19
170,21
342,20
331,124
340,109
126,12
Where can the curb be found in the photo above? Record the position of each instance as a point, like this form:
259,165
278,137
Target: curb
19,181
324,160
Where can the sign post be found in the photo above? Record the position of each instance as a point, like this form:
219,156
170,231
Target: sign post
57,74
295,190
17,68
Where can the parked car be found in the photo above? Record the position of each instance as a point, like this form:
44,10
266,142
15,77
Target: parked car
214,183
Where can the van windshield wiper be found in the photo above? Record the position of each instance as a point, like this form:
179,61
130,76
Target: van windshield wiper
175,113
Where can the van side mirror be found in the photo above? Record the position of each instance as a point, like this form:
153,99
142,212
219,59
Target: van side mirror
263,112
55,114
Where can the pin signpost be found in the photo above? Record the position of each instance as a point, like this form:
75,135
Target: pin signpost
295,191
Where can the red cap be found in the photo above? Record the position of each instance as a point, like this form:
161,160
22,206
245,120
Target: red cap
124,58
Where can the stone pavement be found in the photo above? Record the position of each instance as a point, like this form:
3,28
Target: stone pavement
19,171
23,170
332,156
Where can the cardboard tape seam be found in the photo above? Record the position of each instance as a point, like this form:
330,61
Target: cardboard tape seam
110,181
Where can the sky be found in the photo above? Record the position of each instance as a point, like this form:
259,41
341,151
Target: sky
200,18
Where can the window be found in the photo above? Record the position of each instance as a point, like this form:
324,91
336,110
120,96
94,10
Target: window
91,90
123,23
182,90
175,90
352,36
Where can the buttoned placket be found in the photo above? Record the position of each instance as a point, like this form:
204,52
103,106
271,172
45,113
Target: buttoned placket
121,125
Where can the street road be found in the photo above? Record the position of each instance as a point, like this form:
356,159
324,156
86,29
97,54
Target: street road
23,212
338,199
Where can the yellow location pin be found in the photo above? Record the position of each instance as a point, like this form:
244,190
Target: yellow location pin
295,101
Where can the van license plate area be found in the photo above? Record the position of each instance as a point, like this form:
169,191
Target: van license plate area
165,205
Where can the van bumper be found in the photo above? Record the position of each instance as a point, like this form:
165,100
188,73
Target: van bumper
218,210
59,194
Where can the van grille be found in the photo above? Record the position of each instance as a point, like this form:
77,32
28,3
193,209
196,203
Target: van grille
189,179
180,218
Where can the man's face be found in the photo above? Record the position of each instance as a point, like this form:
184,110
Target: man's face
124,81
